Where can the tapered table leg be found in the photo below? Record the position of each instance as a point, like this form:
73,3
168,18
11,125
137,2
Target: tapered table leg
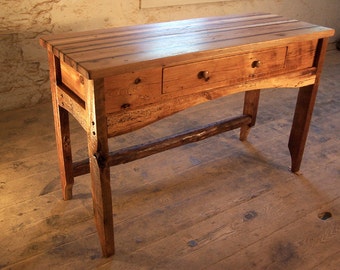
99,167
301,122
304,110
251,103
62,131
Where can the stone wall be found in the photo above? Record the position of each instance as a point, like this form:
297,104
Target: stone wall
23,63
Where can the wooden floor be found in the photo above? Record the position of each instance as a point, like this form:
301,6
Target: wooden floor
216,204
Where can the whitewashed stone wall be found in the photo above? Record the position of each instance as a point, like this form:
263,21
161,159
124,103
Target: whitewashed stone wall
23,63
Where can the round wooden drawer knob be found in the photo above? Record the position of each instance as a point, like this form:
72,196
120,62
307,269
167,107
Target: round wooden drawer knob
204,75
137,80
125,106
256,64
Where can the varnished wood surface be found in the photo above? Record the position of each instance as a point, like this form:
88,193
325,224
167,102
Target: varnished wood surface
236,206
101,53
201,56
146,149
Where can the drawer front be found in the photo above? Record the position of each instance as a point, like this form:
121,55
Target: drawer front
133,89
300,55
205,75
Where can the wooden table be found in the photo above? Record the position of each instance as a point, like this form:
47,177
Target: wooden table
117,80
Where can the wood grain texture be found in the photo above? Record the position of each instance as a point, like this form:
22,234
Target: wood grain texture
135,152
234,206
98,149
102,53
118,80
62,131
135,117
250,107
304,109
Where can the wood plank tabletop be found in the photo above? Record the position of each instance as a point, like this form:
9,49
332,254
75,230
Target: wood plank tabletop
104,52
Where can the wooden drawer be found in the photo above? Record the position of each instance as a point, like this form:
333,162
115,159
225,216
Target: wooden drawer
205,75
130,90
300,55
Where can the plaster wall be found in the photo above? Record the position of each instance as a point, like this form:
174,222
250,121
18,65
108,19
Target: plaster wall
23,63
